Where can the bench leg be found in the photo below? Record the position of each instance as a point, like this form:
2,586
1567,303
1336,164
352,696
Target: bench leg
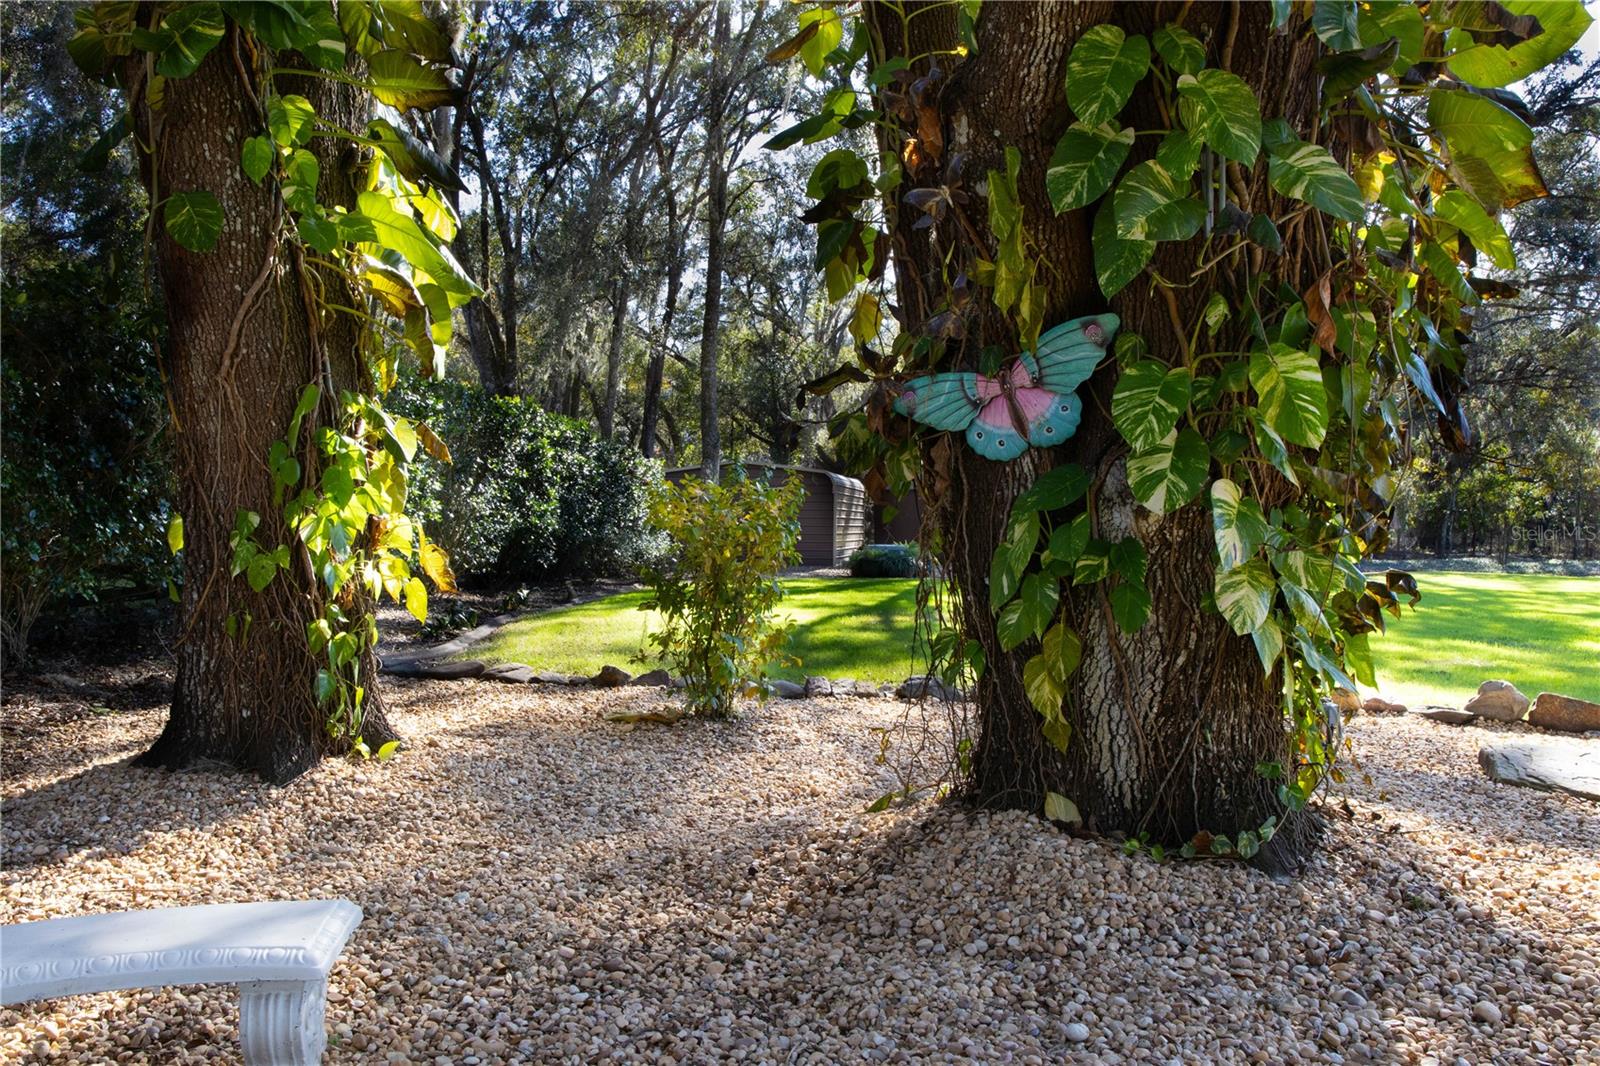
280,1022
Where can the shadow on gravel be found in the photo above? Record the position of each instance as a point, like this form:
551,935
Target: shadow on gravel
34,817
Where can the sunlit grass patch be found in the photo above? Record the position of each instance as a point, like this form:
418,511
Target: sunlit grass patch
845,627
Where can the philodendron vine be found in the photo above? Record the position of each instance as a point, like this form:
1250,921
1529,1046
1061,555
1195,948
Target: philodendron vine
1292,439
340,470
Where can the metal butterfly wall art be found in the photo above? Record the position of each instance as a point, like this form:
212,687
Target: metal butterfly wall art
1032,401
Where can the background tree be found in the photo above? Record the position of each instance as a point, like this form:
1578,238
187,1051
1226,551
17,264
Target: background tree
1529,480
84,481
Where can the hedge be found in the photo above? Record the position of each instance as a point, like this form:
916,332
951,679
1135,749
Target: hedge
528,495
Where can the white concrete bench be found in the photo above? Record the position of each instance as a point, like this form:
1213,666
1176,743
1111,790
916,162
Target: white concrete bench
279,955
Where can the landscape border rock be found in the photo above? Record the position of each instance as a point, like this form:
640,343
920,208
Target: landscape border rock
1548,764
609,676
1447,715
1500,700
928,687
1568,714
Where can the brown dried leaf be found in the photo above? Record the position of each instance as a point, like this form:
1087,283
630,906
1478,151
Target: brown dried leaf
1319,300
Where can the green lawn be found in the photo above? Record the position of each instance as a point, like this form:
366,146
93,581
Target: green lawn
860,628
1539,631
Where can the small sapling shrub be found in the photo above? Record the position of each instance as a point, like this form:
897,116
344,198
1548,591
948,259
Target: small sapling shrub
717,589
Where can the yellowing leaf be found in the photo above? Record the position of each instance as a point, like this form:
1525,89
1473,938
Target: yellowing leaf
417,599
436,564
1058,808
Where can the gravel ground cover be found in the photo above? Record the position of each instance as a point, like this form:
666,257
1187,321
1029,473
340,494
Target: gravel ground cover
543,886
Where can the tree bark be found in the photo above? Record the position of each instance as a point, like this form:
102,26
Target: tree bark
676,235
1169,723
716,221
494,338
243,341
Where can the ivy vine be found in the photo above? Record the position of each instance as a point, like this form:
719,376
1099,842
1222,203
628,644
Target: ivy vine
340,469
1293,439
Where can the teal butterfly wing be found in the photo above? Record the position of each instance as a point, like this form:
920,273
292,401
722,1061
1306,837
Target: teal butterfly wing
999,444
943,401
1068,353
1057,423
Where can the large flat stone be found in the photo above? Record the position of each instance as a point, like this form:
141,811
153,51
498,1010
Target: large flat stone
1566,713
1549,764
1447,715
451,671
511,673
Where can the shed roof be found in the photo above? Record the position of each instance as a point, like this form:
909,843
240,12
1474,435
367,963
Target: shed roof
843,481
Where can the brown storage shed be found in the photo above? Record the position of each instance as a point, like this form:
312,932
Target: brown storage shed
835,514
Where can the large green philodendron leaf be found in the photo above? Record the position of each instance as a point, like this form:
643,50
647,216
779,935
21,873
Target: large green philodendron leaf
1492,66
1244,595
1180,49
415,161
1343,71
187,35
1291,396
1171,473
1029,614
290,119
1223,110
194,220
1005,570
305,26
1116,261
401,81
1490,149
1238,524
1268,639
829,32
1104,67
1147,402
401,232
1179,153
1153,205
1335,24
256,158
1488,235
1085,163
1402,21
1309,172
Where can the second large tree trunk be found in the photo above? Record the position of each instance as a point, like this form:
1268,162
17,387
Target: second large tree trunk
1170,723
242,345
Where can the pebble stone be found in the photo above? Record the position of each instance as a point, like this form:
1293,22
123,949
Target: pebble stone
544,886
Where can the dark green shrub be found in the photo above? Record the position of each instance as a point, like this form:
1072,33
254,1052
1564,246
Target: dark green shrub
85,478
528,495
718,586
885,560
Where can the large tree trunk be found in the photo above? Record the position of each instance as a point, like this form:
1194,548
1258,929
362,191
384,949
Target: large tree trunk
656,368
1169,723
494,338
716,221
619,322
242,345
